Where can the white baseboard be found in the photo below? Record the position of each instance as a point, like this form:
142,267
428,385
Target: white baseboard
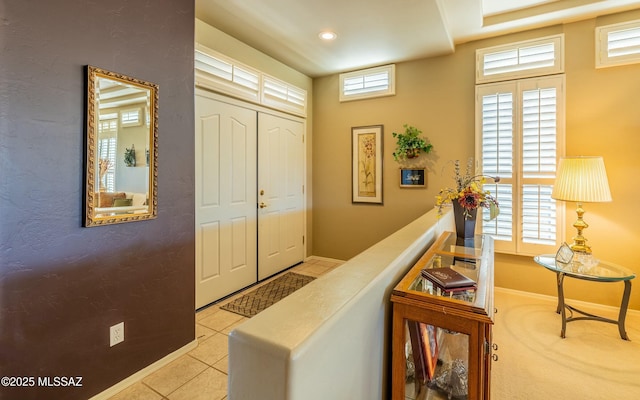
143,373
576,303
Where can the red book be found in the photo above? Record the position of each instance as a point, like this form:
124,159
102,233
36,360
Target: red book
448,279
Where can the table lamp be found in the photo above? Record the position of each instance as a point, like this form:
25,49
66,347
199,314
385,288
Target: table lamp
583,180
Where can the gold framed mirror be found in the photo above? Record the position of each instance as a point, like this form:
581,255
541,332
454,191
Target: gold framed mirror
121,148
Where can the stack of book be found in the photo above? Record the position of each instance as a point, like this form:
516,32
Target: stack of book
448,280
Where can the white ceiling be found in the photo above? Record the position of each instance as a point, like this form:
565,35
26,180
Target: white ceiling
377,32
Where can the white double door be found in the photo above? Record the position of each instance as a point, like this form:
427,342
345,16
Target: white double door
249,195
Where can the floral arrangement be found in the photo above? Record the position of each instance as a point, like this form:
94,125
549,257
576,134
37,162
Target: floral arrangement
369,150
468,192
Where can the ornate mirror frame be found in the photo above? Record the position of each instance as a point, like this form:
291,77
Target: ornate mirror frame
120,186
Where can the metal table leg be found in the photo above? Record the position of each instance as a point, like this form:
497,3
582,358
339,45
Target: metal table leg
561,306
623,310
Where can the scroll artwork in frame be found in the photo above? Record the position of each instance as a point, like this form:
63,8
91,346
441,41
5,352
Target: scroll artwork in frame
366,171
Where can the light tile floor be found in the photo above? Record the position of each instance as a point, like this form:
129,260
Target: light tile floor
202,373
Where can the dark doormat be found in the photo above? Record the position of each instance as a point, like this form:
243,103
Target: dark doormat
264,296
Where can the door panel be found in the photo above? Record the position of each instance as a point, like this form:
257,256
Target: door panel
226,216
280,186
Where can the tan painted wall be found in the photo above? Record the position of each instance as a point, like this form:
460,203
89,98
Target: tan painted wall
217,40
437,96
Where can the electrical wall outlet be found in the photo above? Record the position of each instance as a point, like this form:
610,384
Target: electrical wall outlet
116,334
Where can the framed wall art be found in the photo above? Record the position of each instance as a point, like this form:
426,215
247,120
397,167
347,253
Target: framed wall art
430,347
366,170
415,177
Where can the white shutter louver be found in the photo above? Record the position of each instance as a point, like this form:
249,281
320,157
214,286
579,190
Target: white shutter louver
372,82
539,149
618,44
520,60
280,95
520,131
218,73
501,227
538,215
497,160
107,145
539,133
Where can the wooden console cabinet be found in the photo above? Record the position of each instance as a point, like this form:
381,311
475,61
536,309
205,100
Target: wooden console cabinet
441,346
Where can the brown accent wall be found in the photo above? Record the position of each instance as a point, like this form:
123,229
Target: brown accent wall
61,285
437,96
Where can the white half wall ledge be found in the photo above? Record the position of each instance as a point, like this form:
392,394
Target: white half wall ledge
331,338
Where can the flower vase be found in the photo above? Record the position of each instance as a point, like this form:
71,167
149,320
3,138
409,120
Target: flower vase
465,227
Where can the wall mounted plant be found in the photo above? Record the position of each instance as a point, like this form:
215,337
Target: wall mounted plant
409,144
130,157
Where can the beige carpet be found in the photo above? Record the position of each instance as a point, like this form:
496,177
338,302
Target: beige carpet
535,363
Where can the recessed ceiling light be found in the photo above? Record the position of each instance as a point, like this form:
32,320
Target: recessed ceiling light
327,35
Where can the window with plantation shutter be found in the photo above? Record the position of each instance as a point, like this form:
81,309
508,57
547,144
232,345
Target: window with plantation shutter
283,96
521,135
107,145
618,44
366,83
520,60
497,159
215,71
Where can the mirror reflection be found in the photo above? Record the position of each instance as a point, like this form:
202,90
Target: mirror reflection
121,148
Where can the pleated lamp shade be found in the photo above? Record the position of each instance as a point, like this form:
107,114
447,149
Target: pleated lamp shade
581,179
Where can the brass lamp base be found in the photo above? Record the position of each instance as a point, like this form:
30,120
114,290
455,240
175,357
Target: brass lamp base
580,242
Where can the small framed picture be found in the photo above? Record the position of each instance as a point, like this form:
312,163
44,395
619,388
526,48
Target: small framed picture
430,347
413,177
564,254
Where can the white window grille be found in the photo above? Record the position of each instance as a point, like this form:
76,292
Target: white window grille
618,44
525,59
131,117
520,128
218,72
280,95
367,83
222,74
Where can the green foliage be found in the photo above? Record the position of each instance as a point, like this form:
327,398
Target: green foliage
409,144
130,157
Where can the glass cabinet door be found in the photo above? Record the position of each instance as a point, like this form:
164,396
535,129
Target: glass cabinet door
437,362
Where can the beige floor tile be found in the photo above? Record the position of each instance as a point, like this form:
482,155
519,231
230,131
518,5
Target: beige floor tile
330,264
222,365
172,376
203,333
202,374
300,268
209,385
317,269
137,391
220,320
232,327
207,312
212,350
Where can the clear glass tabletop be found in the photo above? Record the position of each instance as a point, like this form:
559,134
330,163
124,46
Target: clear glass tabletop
586,267
466,268
462,247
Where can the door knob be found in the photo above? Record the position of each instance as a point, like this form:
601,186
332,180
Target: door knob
262,205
